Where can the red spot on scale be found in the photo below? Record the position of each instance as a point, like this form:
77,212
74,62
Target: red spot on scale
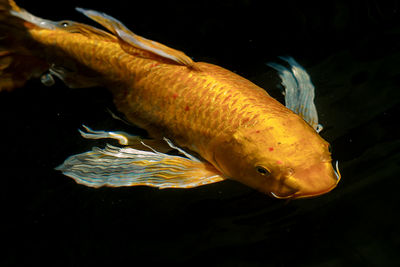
258,131
279,162
271,149
187,108
175,95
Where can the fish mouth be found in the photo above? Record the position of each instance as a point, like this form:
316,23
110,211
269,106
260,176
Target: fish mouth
297,195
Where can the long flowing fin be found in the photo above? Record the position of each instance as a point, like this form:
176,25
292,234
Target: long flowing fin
299,91
135,40
116,167
122,137
133,141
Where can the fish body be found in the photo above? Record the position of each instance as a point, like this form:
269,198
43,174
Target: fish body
233,127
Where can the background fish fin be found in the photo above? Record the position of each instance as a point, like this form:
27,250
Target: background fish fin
135,41
116,167
299,91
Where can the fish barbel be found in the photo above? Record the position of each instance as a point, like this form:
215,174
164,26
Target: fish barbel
224,126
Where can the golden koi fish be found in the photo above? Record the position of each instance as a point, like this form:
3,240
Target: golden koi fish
224,126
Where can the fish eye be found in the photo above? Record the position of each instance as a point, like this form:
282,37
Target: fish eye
261,170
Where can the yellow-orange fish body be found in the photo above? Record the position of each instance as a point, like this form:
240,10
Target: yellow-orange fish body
238,130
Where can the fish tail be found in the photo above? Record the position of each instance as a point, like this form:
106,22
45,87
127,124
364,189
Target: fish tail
17,63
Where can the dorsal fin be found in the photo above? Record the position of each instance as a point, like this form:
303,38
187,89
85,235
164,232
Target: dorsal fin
119,29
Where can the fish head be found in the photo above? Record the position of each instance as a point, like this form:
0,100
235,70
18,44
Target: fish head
284,160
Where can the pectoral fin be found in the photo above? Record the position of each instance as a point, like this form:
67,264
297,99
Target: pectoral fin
299,91
117,167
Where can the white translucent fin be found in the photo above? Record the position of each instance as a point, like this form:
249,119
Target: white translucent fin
116,167
120,30
25,15
122,137
299,91
133,141
171,145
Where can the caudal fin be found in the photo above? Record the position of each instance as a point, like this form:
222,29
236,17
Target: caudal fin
17,64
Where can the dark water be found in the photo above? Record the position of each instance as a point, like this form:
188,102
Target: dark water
352,52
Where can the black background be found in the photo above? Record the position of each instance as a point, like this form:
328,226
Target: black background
351,50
